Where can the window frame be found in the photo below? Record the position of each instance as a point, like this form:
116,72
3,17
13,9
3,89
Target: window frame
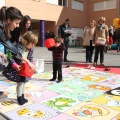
104,5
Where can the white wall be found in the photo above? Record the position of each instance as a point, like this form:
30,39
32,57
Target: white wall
2,3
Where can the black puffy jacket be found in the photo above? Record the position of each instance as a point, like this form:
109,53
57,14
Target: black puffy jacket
61,30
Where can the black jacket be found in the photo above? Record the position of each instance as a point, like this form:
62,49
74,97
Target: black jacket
61,30
7,44
116,35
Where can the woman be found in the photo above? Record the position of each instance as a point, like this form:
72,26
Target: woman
88,40
25,25
9,20
110,37
101,37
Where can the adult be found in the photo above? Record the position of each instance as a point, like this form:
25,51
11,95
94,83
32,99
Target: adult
88,40
116,38
9,20
52,35
101,37
47,35
62,32
25,25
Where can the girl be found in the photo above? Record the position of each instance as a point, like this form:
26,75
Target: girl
25,25
25,46
9,20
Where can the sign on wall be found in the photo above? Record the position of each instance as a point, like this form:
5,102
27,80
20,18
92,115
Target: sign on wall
73,37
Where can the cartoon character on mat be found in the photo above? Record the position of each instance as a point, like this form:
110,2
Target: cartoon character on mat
117,117
91,111
112,102
86,95
59,103
67,88
112,82
36,114
99,87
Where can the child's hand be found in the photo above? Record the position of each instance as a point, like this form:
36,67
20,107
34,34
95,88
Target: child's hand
4,57
32,66
17,67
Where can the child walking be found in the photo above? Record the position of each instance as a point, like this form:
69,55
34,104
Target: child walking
57,52
25,46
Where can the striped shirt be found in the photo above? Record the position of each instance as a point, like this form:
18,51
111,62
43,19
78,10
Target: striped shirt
57,53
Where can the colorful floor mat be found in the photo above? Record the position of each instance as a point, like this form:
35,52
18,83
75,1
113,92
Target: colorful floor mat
83,95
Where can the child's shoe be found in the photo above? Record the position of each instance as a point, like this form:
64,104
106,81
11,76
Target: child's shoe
59,81
20,100
25,100
52,79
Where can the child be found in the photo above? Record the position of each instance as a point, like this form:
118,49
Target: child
57,58
25,46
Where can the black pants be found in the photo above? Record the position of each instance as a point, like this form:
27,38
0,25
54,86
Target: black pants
118,45
66,41
57,67
89,53
97,50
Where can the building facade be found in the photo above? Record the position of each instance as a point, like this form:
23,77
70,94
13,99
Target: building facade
47,15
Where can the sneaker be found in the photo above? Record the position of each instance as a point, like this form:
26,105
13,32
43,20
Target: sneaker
52,79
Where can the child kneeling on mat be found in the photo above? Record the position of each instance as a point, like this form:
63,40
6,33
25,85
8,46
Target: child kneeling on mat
11,72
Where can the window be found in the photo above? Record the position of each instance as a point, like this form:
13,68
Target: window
77,5
105,5
55,2
58,2
2,3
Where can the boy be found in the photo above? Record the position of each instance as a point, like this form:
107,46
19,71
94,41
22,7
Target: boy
57,52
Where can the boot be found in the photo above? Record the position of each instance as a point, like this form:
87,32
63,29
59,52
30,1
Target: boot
20,100
25,100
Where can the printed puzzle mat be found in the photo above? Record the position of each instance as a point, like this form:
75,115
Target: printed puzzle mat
83,95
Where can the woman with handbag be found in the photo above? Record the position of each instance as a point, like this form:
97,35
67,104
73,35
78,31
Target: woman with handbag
88,40
101,38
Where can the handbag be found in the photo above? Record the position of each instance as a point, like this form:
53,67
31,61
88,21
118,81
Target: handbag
25,70
101,41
